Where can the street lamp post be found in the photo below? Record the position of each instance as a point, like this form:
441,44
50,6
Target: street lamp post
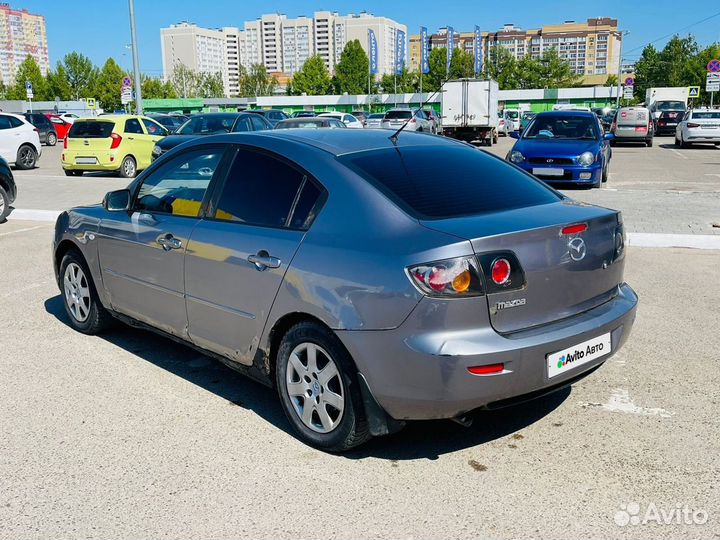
619,76
136,62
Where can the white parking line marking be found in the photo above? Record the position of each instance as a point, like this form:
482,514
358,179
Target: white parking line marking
678,153
34,215
21,230
693,241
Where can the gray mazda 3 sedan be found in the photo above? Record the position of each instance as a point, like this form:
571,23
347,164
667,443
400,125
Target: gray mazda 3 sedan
370,281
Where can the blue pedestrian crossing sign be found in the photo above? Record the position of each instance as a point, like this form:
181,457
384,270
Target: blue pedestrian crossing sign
693,92
28,89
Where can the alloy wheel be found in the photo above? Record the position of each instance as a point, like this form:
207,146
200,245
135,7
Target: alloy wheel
27,157
129,168
315,387
77,292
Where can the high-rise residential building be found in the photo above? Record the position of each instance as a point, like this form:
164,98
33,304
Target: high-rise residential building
22,34
281,44
592,48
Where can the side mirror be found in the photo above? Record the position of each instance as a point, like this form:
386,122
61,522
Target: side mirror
515,134
117,201
609,136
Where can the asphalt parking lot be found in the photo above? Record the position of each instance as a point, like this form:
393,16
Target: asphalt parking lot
132,435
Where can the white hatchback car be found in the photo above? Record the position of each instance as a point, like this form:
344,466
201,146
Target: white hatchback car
698,126
348,119
19,141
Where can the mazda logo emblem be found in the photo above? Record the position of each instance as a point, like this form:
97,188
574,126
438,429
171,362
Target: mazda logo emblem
549,161
577,249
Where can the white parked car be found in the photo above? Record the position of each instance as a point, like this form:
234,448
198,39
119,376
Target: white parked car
416,120
374,120
512,120
19,141
68,117
698,126
348,119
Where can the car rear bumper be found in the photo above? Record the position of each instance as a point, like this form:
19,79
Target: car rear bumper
704,138
105,161
418,373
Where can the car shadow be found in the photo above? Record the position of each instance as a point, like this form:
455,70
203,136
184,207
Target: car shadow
695,146
418,440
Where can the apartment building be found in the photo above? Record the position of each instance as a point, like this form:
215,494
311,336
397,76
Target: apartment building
200,49
22,34
592,48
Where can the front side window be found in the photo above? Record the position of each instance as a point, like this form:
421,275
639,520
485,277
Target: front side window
242,124
153,128
133,126
264,191
259,124
179,186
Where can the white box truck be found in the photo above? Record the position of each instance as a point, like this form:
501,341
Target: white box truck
470,110
668,98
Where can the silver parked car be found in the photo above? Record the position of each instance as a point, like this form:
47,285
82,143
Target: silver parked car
370,281
374,120
416,120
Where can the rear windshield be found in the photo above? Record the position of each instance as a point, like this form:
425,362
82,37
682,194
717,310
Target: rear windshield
91,129
671,106
439,182
706,115
377,115
511,114
395,115
207,124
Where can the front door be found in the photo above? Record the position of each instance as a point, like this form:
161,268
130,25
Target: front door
142,251
236,259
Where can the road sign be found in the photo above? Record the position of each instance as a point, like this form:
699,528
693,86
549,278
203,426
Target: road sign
693,92
714,66
629,81
29,89
90,103
127,81
126,95
628,92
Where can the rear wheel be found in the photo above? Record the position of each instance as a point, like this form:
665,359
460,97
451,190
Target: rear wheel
677,141
317,384
128,168
26,157
649,143
87,315
4,205
51,139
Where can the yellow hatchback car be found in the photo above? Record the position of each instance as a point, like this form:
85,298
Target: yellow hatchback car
120,143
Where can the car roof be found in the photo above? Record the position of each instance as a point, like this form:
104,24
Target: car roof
567,112
340,141
18,116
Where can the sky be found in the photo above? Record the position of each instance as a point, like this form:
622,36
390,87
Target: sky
101,29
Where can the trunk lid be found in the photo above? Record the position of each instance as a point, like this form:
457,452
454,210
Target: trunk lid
90,135
561,280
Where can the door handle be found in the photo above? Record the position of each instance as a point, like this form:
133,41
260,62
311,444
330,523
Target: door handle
168,242
131,138
263,260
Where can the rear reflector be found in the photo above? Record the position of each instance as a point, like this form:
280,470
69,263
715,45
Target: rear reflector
486,370
574,229
501,271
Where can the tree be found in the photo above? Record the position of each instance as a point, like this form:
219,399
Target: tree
437,61
80,74
154,88
257,82
675,59
210,85
647,71
351,72
189,83
58,84
407,82
556,72
29,71
3,89
107,85
313,79
462,64
502,66
612,80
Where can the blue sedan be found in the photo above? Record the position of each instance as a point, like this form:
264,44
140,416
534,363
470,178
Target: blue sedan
564,147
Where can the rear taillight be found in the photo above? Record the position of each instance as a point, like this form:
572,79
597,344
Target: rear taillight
692,125
116,140
449,278
574,229
641,129
500,271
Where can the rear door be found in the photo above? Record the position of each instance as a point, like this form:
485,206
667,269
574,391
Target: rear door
142,252
237,258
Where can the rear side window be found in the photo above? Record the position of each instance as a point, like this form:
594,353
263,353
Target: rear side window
259,124
133,126
5,122
449,181
262,190
91,129
242,124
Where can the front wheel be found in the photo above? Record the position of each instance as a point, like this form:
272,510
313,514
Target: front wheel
318,389
128,168
605,173
51,139
26,157
4,205
87,314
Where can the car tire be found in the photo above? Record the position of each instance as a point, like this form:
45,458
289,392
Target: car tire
300,383
4,205
649,143
26,157
677,141
605,174
51,139
128,167
80,298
